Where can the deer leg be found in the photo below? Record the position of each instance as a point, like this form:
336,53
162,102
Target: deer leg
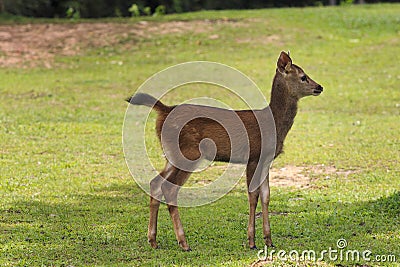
170,189
253,199
251,229
265,195
155,198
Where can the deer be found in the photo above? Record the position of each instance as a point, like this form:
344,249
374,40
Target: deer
290,84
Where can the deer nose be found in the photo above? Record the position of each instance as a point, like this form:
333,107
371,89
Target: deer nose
318,90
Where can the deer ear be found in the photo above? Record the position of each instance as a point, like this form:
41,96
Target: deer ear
284,63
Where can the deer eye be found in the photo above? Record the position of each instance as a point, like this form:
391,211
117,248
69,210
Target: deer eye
303,78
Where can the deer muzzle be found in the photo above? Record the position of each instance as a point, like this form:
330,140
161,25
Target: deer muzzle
318,90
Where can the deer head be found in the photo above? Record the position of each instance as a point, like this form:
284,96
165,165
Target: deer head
298,83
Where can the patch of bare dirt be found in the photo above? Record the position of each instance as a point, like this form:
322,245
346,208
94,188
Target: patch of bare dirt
263,39
296,176
36,44
301,177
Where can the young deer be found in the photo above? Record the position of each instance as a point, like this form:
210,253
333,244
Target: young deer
289,85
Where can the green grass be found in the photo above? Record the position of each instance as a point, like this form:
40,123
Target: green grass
67,198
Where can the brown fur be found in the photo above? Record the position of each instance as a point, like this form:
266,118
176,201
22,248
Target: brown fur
289,85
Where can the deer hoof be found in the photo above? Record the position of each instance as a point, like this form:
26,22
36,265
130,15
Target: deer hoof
153,244
269,244
253,247
187,249
185,246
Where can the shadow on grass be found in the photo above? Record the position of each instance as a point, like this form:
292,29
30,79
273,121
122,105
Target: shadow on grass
371,225
109,226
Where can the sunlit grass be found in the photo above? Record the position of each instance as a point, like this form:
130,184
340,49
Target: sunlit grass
67,198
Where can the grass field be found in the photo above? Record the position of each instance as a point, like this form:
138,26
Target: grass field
67,198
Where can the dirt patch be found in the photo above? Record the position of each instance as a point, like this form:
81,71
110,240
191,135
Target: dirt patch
267,39
37,44
289,176
302,177
295,176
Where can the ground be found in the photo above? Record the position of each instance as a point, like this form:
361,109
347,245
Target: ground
37,44
68,199
31,45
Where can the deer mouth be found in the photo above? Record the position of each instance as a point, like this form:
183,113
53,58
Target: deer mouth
317,91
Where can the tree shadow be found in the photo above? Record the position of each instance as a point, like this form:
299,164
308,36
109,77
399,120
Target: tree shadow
371,225
109,226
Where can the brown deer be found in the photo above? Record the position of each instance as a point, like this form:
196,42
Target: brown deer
289,85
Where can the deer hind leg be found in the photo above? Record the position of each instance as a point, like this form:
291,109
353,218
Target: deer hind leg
155,198
265,195
170,189
253,199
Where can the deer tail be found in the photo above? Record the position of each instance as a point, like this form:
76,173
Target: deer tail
149,101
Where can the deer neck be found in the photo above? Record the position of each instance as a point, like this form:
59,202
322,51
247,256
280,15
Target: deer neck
284,110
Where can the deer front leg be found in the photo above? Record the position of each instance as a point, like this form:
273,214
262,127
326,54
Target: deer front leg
253,199
265,195
251,229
